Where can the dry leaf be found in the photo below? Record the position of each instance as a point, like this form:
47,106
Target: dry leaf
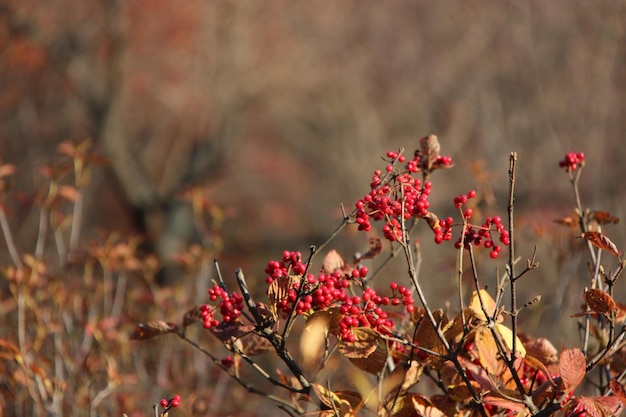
600,301
487,349
618,390
425,407
600,406
403,377
331,399
427,338
432,220
541,349
253,344
572,368
572,220
598,240
152,329
604,217
313,340
332,262
376,247
278,290
193,315
231,329
489,304
429,151
507,337
368,351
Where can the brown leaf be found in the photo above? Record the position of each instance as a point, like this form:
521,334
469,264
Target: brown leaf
572,366
604,217
598,240
425,407
278,290
332,262
227,330
253,344
427,338
368,351
193,315
403,377
600,301
600,406
331,399
152,329
429,151
376,247
432,220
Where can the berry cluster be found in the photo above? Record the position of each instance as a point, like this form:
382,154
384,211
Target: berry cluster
367,311
228,361
394,196
230,307
572,161
290,265
315,293
473,235
482,236
171,403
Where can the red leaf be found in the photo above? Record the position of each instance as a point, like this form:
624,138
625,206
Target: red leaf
618,390
572,367
598,240
600,406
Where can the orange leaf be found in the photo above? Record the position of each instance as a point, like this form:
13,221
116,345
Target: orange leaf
604,217
68,192
618,390
598,240
487,350
600,301
6,170
572,368
600,406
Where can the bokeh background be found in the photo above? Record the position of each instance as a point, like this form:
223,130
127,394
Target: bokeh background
281,110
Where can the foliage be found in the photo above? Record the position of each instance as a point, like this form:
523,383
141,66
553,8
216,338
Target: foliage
324,343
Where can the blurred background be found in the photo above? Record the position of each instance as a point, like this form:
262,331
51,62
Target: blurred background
281,110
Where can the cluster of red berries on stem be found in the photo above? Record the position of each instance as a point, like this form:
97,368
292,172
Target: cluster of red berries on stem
324,290
230,307
572,161
394,196
473,235
367,311
171,403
